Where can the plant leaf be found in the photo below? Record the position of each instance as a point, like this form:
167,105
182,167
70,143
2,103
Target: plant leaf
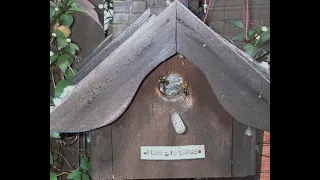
59,34
53,176
60,86
67,19
68,74
251,33
51,158
53,58
90,168
74,9
85,177
61,39
72,3
65,61
84,163
52,4
251,50
52,13
74,174
257,148
265,36
73,48
238,37
89,9
238,24
55,135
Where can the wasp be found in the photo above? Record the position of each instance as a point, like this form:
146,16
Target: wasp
163,80
185,89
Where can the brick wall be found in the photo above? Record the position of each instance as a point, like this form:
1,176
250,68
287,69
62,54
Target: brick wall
126,12
222,10
265,162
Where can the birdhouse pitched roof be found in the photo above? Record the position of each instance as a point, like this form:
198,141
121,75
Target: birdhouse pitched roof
110,76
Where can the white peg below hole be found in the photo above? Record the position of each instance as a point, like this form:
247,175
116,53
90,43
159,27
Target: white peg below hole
177,123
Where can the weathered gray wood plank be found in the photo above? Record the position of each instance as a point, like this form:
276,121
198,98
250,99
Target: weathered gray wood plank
96,153
106,152
242,90
104,94
243,152
106,48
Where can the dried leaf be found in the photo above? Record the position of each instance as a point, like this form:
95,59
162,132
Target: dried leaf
89,9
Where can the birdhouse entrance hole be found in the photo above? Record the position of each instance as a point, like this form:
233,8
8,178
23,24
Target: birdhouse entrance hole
169,85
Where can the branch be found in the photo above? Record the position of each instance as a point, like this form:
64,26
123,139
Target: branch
63,157
268,52
52,77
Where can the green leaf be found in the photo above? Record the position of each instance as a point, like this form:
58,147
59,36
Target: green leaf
72,3
251,50
53,176
85,177
61,39
60,86
84,163
74,9
59,34
251,33
68,74
51,158
53,58
90,168
62,43
52,13
257,148
73,48
52,4
74,174
265,36
238,24
239,36
65,61
55,135
67,19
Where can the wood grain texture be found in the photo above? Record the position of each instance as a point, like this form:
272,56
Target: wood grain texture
104,94
96,153
243,151
106,152
101,153
236,82
105,48
146,123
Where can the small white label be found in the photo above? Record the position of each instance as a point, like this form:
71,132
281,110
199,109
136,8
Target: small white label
172,152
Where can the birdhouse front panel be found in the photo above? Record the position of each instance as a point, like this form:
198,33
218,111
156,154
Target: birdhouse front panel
146,142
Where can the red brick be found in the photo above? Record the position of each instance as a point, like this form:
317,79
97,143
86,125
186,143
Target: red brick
266,137
265,176
265,166
265,158
265,148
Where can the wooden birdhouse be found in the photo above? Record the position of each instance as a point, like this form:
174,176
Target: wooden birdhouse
168,98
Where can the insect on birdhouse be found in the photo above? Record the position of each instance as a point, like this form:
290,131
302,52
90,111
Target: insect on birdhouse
168,98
